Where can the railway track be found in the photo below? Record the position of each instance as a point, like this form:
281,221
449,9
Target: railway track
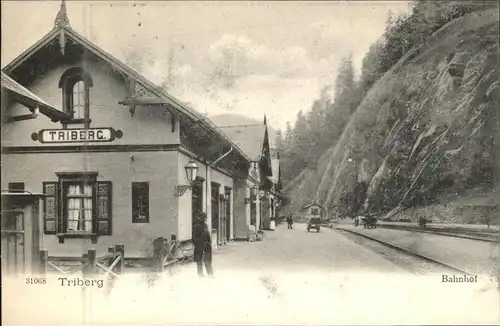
471,235
407,252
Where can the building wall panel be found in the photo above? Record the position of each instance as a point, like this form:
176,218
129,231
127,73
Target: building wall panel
160,169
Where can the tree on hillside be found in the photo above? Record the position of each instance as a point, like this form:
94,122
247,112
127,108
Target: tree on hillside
301,141
346,100
279,140
345,77
371,68
288,137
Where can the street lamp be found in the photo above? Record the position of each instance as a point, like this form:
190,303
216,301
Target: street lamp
255,191
191,171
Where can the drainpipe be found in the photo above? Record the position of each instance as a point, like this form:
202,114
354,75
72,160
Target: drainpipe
208,184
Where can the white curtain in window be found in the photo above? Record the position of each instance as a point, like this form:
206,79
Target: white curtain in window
87,205
74,208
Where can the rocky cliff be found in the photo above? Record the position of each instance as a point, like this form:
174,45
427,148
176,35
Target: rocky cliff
428,129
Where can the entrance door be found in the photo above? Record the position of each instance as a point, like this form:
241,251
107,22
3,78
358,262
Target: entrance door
196,202
221,229
253,213
228,214
215,208
12,250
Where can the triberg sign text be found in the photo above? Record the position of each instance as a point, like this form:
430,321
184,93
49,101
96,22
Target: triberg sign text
76,135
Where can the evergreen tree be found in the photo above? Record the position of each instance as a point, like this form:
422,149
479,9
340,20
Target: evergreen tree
279,140
346,101
288,137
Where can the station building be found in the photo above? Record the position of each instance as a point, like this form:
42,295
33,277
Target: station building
121,161
260,206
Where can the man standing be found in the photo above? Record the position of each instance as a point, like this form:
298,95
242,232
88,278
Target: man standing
289,220
202,245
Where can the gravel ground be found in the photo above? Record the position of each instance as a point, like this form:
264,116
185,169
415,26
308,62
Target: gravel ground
474,256
410,263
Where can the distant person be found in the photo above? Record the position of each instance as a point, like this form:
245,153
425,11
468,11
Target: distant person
202,245
289,220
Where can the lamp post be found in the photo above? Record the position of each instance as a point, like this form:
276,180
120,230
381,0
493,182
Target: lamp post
191,171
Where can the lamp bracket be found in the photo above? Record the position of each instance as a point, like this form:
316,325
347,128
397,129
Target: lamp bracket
180,190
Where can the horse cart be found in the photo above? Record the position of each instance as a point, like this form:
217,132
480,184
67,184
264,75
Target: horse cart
370,222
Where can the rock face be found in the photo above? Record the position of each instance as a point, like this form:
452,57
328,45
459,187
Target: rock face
428,128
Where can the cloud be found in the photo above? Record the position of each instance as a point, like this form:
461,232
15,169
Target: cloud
234,57
237,75
337,37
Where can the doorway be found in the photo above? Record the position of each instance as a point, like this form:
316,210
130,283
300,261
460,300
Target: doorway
196,202
215,208
12,249
222,220
228,213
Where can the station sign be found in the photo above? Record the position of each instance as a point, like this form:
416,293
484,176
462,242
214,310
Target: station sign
80,135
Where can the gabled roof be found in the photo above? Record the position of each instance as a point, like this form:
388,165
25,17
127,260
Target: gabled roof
312,204
65,31
250,138
30,100
68,32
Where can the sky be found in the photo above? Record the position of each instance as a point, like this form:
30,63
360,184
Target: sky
250,58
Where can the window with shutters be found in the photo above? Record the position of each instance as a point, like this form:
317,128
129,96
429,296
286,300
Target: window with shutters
140,202
77,206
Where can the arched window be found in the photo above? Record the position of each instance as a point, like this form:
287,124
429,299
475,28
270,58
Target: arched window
75,84
79,100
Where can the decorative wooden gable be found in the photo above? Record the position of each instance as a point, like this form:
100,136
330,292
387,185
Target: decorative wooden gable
139,95
140,91
254,171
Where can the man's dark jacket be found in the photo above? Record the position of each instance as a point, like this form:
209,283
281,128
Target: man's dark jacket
202,242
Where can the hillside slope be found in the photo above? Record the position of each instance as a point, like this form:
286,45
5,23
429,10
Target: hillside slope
423,130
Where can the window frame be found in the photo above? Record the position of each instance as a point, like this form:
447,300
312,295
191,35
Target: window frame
135,216
66,179
61,202
67,83
16,187
65,204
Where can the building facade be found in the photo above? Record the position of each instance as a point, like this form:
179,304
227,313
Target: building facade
113,165
20,217
260,196
313,210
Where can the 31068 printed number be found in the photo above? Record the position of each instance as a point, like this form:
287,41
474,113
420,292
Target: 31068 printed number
36,280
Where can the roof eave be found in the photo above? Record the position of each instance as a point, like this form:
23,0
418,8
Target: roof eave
32,102
122,67
129,71
21,57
